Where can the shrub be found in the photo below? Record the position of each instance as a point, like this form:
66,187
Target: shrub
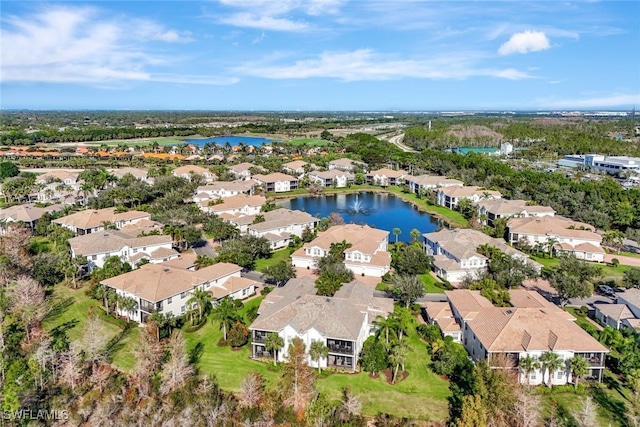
264,291
615,262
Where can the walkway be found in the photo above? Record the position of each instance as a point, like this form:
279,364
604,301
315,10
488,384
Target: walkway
624,260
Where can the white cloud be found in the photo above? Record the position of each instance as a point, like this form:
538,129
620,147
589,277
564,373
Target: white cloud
365,64
619,100
79,45
275,15
526,41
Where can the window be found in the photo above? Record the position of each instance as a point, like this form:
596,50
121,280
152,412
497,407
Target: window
533,375
94,257
183,295
183,309
560,375
169,300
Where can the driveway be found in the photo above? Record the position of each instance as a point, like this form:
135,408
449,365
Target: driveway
203,247
624,260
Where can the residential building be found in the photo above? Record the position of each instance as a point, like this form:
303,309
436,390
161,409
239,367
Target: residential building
631,298
557,234
139,174
345,165
59,176
188,171
426,183
531,327
614,315
455,252
98,247
332,178
276,182
450,196
242,170
342,322
58,185
222,190
367,256
241,204
385,177
164,289
492,209
295,167
28,214
94,220
278,225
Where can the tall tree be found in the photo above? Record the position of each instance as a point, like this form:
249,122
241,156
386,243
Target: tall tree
177,370
298,380
200,301
407,288
280,272
396,232
528,365
550,363
579,368
225,313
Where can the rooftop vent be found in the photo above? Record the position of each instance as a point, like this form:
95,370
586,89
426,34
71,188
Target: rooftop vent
509,311
166,270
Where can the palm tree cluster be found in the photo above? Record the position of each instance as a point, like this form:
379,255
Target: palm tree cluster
390,336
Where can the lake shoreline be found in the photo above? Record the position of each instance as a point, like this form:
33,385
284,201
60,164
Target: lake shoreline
422,207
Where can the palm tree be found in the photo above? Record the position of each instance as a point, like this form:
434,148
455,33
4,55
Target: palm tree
225,313
415,235
396,358
551,242
318,351
527,365
273,343
550,363
202,300
203,261
579,368
386,326
396,232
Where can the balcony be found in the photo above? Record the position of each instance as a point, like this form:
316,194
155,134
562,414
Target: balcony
340,347
595,360
150,307
340,362
259,336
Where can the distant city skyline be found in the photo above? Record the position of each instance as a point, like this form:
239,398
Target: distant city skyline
320,55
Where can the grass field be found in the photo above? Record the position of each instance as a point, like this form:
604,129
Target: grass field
608,271
310,142
430,284
276,256
421,395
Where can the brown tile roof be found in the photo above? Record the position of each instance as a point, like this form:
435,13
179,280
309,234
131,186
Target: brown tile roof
429,180
113,241
274,177
241,167
156,282
615,311
281,218
352,233
187,169
390,173
468,191
295,164
464,242
95,218
27,213
340,317
239,201
552,226
468,302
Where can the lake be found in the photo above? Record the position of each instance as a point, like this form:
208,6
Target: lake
379,210
231,139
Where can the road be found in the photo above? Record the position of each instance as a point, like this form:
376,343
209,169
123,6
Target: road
204,248
396,141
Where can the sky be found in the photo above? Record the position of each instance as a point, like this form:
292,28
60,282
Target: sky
328,55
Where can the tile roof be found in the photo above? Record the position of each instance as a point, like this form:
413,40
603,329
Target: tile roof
341,316
296,164
28,212
113,241
433,181
552,226
274,177
468,191
187,169
352,233
631,295
156,282
615,311
238,201
332,174
95,218
390,173
241,167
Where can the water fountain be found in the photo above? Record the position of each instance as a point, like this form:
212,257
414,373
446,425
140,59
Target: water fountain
357,207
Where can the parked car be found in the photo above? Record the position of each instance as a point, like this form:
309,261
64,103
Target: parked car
605,290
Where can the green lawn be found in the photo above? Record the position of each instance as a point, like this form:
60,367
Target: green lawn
608,271
311,142
431,284
276,256
421,395
72,304
39,244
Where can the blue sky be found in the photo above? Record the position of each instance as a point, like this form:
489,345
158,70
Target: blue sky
320,55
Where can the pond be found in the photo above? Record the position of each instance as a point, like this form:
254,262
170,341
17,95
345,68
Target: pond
380,210
231,139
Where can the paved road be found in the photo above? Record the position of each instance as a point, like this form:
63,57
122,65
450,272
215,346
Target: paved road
624,260
205,249
253,275
397,141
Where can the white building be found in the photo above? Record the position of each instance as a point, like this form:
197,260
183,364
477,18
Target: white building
332,178
158,287
295,167
98,247
278,226
561,234
242,170
342,322
455,253
277,182
492,209
222,190
367,255
139,174
531,327
450,196
346,165
385,177
610,164
234,205
188,171
94,220
427,183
